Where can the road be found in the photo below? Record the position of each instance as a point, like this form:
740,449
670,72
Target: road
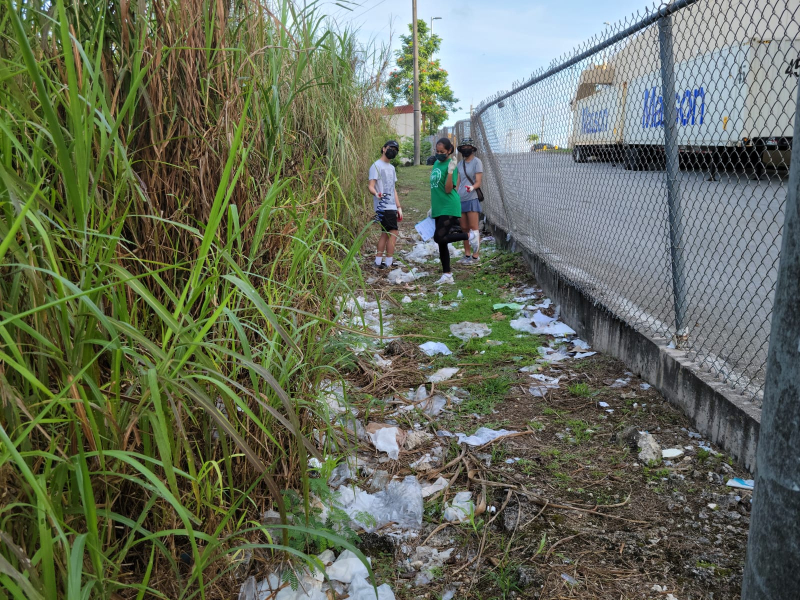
607,229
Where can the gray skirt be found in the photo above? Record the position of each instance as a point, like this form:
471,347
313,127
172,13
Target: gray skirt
470,206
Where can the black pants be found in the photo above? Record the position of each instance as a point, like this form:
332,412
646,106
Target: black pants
443,236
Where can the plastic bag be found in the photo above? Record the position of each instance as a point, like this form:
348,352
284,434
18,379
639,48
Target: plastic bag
466,331
399,503
347,567
361,589
434,348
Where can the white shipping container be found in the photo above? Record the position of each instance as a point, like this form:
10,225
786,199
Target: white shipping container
735,92
597,120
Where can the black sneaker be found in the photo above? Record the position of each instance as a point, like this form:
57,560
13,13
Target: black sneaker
382,266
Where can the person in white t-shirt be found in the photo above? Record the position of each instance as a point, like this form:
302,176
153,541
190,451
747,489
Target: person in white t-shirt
386,202
470,177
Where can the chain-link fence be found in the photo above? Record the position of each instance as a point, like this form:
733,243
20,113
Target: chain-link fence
669,214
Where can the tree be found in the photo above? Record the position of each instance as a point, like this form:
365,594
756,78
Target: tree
533,138
435,96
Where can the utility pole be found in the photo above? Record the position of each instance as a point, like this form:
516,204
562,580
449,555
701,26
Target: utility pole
773,546
432,20
417,110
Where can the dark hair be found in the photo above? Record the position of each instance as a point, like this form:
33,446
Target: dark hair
448,145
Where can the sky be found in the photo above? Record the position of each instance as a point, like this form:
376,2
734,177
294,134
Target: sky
488,45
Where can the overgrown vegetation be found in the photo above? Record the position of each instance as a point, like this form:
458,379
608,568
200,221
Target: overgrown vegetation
179,215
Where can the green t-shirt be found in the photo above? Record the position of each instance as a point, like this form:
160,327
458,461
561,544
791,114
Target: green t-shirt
443,203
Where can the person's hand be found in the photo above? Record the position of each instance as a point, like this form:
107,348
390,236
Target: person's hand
452,166
399,213
470,188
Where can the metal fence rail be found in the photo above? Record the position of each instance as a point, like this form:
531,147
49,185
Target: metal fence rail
667,212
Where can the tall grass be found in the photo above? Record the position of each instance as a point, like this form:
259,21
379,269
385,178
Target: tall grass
178,189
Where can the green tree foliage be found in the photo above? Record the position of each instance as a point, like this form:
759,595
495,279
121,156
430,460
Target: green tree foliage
436,97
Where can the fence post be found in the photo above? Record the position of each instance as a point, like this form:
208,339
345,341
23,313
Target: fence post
773,547
673,174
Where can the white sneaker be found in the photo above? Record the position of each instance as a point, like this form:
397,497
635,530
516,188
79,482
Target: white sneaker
446,278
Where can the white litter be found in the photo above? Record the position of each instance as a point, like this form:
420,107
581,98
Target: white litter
555,328
742,484
333,396
406,300
580,344
621,383
671,453
382,363
604,404
397,276
483,436
541,320
466,331
400,503
645,386
385,440
434,348
443,375
580,355
460,509
361,589
545,383
459,294
436,486
346,567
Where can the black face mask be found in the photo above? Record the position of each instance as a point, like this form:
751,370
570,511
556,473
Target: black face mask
391,153
441,157
467,152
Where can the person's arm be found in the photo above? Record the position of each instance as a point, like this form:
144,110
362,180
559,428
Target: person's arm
478,180
448,183
371,187
396,198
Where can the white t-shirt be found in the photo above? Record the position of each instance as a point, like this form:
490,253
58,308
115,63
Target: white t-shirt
385,178
472,167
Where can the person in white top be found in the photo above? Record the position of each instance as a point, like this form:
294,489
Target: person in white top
470,177
386,202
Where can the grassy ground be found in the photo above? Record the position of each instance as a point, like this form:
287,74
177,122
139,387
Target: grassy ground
577,515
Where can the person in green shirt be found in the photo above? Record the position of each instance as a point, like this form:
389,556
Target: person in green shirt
445,205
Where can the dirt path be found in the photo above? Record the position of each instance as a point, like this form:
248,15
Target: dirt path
571,511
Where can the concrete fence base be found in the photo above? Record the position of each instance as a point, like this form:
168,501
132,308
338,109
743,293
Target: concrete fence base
719,414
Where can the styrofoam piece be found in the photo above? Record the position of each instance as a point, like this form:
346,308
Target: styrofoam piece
671,453
432,488
580,355
346,567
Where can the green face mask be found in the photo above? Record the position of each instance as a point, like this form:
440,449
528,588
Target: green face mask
441,157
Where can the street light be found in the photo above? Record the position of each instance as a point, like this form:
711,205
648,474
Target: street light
432,20
605,59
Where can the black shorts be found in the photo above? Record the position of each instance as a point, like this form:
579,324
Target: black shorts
388,220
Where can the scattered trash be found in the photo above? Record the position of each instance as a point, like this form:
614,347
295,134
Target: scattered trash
361,589
414,439
695,435
650,450
443,375
397,276
620,383
511,461
429,561
580,355
382,363
333,396
483,436
386,438
555,328
346,567
434,348
645,386
460,509
426,228
466,331
450,594
545,383
406,300
510,306
742,484
671,453
436,486
459,294
603,404
400,503
581,345
568,579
